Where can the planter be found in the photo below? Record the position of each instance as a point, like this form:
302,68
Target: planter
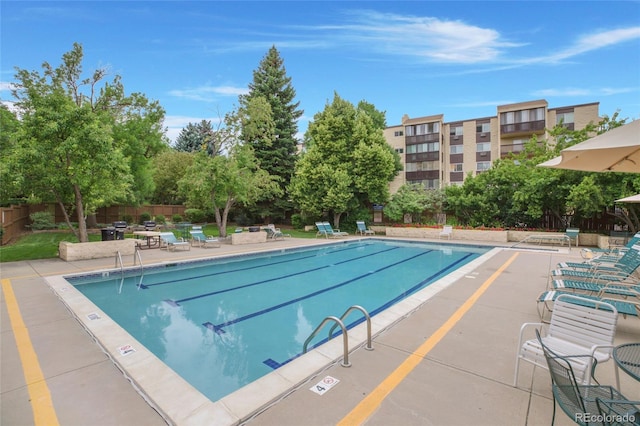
95,250
458,234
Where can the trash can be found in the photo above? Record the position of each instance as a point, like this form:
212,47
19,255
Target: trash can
108,234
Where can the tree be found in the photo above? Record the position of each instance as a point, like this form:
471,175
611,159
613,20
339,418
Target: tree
348,163
275,150
11,182
168,168
71,144
223,181
515,192
199,136
408,202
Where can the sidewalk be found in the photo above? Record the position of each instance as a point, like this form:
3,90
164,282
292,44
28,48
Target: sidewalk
464,378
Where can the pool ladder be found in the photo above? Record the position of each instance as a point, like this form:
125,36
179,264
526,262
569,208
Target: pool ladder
345,337
136,258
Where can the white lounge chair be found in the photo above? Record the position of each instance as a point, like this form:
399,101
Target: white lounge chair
578,326
447,231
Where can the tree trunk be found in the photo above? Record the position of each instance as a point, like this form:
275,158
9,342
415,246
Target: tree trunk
92,222
336,220
83,237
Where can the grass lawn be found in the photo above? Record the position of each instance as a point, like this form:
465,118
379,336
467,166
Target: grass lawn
39,245
44,245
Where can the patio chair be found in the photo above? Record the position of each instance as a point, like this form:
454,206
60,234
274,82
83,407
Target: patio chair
578,326
619,412
169,241
611,251
362,228
615,288
274,233
333,233
578,401
321,230
447,231
199,239
547,299
628,261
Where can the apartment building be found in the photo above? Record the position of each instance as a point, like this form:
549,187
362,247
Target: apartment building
436,153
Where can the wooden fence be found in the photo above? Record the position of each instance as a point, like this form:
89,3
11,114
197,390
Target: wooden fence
15,219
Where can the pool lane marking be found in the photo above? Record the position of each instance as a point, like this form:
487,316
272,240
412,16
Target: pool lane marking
219,329
39,395
371,402
275,364
293,274
267,265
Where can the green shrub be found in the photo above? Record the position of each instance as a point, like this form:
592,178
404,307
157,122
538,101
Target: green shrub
128,218
42,220
194,215
144,217
176,218
160,219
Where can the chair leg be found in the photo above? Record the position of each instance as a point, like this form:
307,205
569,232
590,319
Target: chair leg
553,416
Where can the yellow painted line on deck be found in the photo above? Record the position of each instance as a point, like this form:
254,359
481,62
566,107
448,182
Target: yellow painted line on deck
39,395
371,402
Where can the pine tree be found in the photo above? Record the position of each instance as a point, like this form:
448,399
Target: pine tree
278,155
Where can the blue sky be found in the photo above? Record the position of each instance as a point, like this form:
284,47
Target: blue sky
420,58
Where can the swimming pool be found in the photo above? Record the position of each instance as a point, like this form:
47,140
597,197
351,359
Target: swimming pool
224,323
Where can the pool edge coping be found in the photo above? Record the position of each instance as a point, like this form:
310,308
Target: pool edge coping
158,384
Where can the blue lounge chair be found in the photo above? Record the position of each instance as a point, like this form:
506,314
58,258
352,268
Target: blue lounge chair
321,230
631,259
199,239
363,230
612,288
333,233
170,242
624,307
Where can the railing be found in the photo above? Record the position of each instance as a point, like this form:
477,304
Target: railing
138,257
345,337
368,319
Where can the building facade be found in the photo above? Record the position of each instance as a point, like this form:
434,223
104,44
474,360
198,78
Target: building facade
436,153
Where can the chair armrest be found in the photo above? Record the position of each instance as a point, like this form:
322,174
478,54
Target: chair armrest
525,327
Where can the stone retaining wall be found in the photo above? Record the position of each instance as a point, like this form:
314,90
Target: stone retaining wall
249,237
96,249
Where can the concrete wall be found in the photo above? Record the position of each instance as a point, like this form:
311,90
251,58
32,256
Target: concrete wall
249,237
95,250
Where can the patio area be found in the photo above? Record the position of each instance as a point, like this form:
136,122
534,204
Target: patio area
449,362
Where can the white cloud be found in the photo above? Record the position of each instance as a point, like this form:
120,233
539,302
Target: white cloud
575,91
208,93
5,86
175,124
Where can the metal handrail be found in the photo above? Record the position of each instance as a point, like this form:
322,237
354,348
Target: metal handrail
119,259
369,347
137,256
345,338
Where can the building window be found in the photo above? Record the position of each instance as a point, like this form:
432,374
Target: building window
455,131
483,147
423,147
483,127
456,167
481,166
564,118
410,130
427,183
398,133
456,149
422,166
399,150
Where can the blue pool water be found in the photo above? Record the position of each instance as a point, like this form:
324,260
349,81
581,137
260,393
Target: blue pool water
222,324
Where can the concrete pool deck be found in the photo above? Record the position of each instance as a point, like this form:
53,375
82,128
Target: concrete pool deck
464,341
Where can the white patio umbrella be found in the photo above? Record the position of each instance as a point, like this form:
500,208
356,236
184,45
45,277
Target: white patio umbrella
617,150
631,199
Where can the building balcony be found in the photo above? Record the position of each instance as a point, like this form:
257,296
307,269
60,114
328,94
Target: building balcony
524,128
